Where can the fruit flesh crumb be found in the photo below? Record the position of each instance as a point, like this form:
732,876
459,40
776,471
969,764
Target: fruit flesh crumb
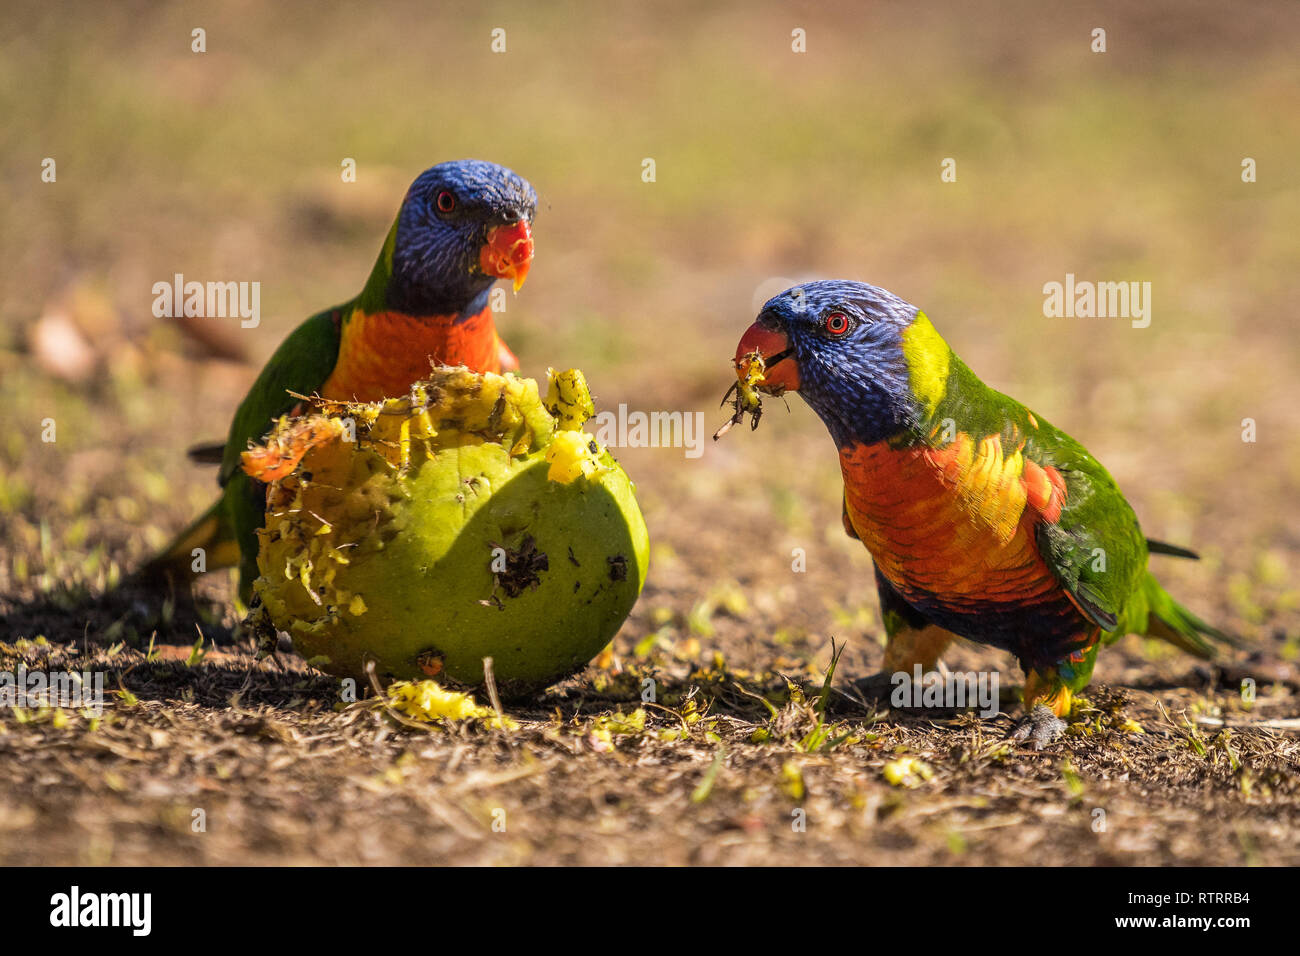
750,370
427,701
572,453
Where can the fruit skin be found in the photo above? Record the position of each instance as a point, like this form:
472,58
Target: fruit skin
461,524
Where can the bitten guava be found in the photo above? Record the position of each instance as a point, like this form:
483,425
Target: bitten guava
467,519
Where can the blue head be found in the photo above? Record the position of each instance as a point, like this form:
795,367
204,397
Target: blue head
462,225
850,351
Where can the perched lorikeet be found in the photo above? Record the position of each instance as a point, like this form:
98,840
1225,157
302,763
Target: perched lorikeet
461,226
982,519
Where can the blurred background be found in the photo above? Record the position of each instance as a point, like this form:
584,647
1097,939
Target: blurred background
770,165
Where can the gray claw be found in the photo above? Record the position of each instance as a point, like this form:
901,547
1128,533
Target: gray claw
1041,726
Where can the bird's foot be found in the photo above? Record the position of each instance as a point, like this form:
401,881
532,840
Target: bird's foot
874,689
1041,726
257,625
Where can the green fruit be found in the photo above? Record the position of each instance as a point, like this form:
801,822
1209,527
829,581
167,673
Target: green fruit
463,522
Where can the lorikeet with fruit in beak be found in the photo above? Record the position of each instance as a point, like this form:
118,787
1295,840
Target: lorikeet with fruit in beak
462,226
982,519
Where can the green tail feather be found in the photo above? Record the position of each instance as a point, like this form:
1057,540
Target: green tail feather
1170,621
210,531
1163,547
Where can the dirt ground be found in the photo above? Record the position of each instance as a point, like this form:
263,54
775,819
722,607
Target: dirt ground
1120,165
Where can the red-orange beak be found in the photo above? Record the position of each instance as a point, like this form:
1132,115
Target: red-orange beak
778,356
508,253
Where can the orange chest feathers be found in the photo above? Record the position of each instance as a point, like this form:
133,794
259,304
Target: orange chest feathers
955,523
380,355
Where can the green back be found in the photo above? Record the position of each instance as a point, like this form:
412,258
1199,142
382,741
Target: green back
1096,548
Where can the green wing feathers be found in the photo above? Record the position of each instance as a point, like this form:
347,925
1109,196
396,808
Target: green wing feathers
1100,555
301,364
1095,547
227,531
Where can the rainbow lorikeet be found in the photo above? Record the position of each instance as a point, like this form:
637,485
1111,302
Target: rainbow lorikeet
982,519
461,226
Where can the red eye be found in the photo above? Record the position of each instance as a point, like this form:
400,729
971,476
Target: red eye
446,201
837,323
